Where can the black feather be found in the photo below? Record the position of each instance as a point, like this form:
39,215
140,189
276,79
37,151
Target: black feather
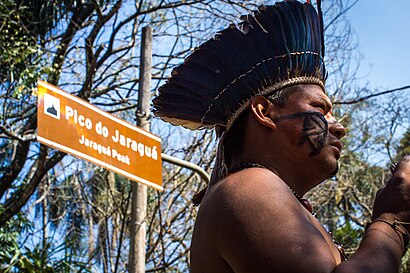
272,45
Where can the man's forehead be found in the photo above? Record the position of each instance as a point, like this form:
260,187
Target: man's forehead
312,91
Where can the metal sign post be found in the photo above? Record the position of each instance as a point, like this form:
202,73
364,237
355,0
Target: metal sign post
139,191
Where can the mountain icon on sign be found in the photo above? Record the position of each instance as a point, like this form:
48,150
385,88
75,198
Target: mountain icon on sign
51,110
52,106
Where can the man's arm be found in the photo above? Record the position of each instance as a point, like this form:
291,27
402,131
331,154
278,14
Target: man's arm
380,251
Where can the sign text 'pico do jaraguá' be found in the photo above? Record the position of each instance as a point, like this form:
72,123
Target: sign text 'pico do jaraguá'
72,125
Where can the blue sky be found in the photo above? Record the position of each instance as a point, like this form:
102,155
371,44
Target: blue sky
383,30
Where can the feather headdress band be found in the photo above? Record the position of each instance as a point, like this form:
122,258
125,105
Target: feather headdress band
273,48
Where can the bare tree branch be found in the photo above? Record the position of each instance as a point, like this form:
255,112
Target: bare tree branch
372,96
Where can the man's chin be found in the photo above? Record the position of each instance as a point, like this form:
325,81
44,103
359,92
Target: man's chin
336,169
332,169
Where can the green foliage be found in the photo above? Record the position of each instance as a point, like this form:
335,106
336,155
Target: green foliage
9,235
404,147
27,261
22,59
45,257
349,234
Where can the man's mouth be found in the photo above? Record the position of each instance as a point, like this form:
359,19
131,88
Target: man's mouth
338,145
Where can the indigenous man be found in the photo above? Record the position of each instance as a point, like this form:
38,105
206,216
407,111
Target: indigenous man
261,86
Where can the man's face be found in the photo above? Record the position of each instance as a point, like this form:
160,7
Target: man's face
309,132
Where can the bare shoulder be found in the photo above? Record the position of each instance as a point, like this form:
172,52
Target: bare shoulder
252,190
237,187
257,225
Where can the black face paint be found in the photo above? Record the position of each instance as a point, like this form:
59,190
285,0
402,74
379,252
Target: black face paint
315,129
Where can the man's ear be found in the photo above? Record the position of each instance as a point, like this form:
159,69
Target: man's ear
263,111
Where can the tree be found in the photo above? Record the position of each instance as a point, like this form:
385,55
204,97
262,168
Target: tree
87,48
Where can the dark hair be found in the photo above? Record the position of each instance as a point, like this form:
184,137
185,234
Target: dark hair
234,140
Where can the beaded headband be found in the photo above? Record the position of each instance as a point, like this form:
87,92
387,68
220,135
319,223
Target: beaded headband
272,89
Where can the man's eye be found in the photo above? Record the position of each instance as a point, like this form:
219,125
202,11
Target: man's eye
321,107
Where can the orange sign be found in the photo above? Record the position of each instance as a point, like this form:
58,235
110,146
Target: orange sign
70,124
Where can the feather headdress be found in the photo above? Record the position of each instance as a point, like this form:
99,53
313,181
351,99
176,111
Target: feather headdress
275,47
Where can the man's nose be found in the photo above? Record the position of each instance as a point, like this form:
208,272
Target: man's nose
337,129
